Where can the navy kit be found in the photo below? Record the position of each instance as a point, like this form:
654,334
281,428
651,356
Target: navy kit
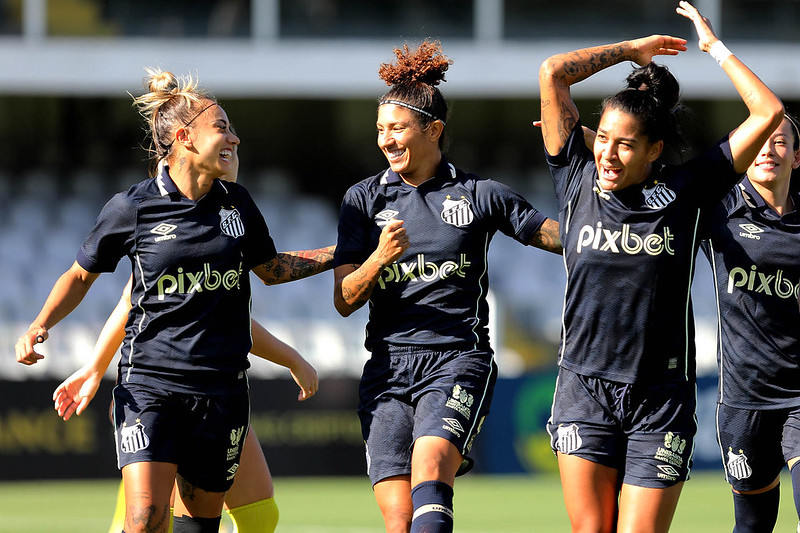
432,370
182,381
753,252
628,322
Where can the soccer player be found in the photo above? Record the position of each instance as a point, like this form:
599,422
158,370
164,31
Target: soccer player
753,249
250,502
622,422
413,241
181,406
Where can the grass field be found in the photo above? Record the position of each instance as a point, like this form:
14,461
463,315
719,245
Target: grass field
484,504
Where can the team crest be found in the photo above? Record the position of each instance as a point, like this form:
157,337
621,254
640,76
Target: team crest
133,438
737,465
568,439
457,212
658,196
231,222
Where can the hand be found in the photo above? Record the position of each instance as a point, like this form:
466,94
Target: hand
306,378
75,392
645,48
24,347
392,243
705,33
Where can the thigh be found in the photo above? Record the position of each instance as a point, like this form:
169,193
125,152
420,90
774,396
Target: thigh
750,442
253,481
647,510
148,486
590,493
790,441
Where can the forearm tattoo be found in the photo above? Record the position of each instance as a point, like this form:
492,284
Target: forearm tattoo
359,287
290,266
547,238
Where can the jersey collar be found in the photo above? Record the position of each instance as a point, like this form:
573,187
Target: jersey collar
754,201
165,184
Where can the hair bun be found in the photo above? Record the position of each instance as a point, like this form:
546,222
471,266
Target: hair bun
425,65
658,81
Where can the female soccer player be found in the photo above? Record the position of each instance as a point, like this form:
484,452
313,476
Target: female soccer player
181,406
622,423
250,501
753,249
413,241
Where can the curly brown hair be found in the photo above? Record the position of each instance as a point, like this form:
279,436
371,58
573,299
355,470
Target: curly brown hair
414,78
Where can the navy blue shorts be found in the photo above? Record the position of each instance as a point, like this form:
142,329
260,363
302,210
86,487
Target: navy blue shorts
409,392
644,431
756,444
202,434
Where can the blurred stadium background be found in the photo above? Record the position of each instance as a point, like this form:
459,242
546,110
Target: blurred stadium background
299,80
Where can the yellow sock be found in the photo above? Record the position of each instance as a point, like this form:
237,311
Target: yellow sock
257,517
118,520
171,514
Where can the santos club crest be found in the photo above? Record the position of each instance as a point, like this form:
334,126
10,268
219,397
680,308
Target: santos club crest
738,466
457,212
658,195
231,222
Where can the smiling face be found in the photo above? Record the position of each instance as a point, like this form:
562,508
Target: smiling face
213,142
624,156
776,159
412,152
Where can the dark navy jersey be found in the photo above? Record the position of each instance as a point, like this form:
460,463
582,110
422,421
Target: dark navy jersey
435,293
629,258
755,256
189,325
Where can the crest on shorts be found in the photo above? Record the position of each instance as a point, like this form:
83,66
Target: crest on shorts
231,222
658,195
457,212
568,439
737,465
133,438
236,436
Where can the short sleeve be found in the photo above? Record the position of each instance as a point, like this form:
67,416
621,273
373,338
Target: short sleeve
112,236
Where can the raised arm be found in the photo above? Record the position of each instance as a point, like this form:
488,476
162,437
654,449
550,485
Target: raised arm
75,392
291,266
65,296
559,72
766,109
354,283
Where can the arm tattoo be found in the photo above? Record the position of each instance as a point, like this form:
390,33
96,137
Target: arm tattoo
146,515
547,238
290,266
360,288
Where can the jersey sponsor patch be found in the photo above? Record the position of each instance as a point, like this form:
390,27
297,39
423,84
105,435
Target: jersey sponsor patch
569,439
658,196
231,222
457,212
133,438
737,466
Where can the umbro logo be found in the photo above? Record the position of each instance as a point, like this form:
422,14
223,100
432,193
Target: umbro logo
164,231
751,231
453,426
382,218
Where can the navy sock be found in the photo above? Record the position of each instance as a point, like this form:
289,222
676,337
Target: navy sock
755,513
188,524
433,507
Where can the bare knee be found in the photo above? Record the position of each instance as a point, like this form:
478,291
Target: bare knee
146,519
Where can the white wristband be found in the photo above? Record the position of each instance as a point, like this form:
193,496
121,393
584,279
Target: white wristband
719,52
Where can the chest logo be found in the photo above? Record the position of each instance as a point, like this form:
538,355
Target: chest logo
658,196
751,231
231,222
164,231
457,212
382,218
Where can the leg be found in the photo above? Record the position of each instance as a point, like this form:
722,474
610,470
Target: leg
393,495
756,510
147,492
795,472
647,510
590,494
250,501
196,502
434,463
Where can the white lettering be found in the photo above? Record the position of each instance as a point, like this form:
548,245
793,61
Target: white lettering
624,240
168,284
769,284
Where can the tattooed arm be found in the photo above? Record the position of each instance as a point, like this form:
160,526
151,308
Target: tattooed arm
354,283
559,72
290,266
547,238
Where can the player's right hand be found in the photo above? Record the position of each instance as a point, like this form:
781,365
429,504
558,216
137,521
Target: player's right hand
75,392
24,347
393,242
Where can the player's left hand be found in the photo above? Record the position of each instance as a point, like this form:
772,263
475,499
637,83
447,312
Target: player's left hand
705,33
24,347
306,378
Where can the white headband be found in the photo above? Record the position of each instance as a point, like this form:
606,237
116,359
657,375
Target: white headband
414,108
